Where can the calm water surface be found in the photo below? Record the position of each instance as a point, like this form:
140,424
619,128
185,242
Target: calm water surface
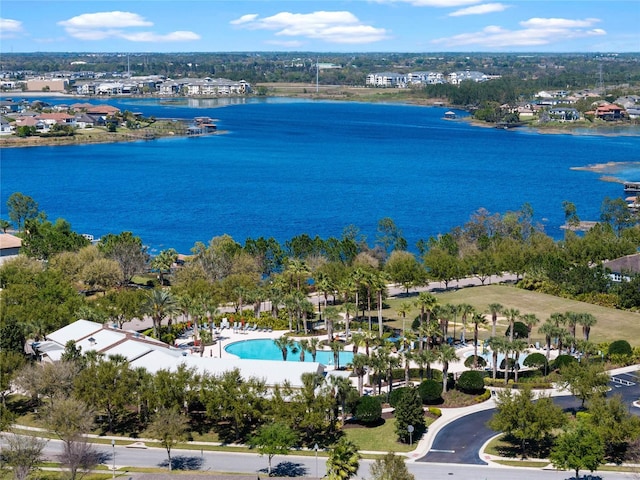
290,167
266,349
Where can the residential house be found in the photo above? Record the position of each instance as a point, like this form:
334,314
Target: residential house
9,247
84,121
623,268
386,80
51,119
564,114
425,78
5,127
609,112
455,78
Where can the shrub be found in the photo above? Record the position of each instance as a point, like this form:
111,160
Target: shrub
369,409
396,394
486,395
435,411
620,347
535,360
409,412
562,361
471,381
469,361
430,392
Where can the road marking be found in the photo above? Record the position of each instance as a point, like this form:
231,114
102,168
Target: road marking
442,451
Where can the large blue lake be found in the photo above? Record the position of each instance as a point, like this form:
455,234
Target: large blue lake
288,167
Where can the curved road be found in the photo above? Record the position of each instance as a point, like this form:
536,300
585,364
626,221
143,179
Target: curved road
461,440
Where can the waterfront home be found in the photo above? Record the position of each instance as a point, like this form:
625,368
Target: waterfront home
609,112
9,247
455,78
425,78
51,119
564,114
5,127
386,80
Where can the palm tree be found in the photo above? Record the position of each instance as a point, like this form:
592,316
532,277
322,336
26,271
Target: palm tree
284,343
497,345
550,330
424,358
359,363
343,461
517,347
163,263
331,315
403,310
429,331
348,308
512,314
297,270
380,286
336,348
357,277
427,302
466,310
446,354
341,387
304,348
494,309
530,320
159,305
313,347
323,284
477,319
587,320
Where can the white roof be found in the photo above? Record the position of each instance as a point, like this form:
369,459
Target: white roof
100,340
74,331
129,349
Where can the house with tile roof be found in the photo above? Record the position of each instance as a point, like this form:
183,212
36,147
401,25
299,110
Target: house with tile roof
9,247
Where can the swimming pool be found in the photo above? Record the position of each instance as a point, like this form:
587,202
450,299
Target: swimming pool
265,349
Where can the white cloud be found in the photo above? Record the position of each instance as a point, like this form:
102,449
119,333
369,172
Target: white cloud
101,20
10,28
480,9
245,19
332,27
103,25
539,32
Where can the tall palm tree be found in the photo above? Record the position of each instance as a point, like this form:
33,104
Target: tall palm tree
403,310
429,331
380,285
446,354
530,320
343,461
298,271
427,302
466,311
587,320
163,263
359,363
348,308
304,348
517,347
313,347
424,358
477,319
340,387
512,314
497,345
550,330
284,343
495,309
324,285
357,276
331,315
159,305
336,348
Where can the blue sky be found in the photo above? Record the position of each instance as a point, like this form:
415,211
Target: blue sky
320,26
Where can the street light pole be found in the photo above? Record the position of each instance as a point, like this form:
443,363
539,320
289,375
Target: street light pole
315,447
113,445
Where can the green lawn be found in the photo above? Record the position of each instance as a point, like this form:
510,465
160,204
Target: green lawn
379,439
612,324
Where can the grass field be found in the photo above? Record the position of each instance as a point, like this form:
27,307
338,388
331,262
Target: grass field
611,324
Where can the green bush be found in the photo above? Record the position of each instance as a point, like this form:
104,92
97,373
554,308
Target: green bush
620,347
435,411
486,395
396,394
369,409
471,382
535,360
562,361
430,392
469,361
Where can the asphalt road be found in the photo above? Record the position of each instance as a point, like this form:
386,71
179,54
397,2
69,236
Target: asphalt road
461,440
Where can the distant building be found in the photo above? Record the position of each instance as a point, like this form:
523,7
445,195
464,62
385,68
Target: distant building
425,78
386,80
623,268
455,78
